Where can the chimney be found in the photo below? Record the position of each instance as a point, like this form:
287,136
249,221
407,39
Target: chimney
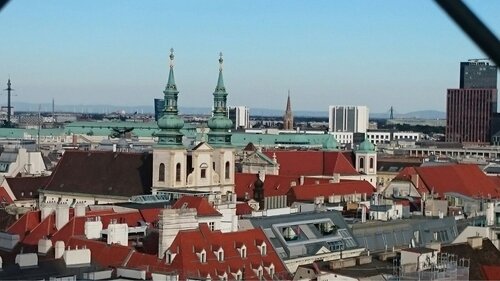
62,215
475,242
301,180
79,209
59,249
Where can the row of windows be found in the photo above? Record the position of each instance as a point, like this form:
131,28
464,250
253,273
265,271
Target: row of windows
362,163
203,171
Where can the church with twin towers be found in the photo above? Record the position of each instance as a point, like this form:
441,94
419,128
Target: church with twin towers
207,167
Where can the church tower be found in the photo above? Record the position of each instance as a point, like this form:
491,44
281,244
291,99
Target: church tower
366,160
288,117
219,136
169,154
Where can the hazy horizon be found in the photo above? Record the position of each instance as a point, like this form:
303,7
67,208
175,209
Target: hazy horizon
375,53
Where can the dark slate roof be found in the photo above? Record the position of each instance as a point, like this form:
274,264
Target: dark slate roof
103,173
26,187
394,166
309,239
377,236
487,255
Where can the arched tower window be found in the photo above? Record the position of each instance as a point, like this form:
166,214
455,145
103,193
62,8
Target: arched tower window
178,172
161,172
361,162
371,163
228,170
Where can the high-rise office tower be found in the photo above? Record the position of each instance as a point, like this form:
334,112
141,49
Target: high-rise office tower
240,116
469,109
476,74
346,118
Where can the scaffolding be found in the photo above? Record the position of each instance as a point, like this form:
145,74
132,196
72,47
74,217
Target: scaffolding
447,267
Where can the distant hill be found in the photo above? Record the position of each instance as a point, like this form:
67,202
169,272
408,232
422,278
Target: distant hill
422,114
95,108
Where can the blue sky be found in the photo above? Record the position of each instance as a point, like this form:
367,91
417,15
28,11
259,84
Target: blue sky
375,53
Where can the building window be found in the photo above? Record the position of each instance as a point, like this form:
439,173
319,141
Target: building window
227,170
243,252
371,163
178,172
211,225
203,173
220,255
161,172
361,162
203,257
263,250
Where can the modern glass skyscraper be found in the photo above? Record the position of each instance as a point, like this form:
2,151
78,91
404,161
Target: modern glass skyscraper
478,74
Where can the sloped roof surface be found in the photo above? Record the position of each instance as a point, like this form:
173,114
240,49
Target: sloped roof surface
466,179
22,187
187,263
310,163
274,185
103,173
201,204
309,192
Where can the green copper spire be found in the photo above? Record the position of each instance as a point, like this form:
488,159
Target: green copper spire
170,123
220,124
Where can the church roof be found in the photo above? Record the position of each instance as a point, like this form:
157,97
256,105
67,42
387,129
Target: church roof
103,173
309,163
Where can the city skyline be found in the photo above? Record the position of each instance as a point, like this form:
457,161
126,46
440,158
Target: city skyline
326,53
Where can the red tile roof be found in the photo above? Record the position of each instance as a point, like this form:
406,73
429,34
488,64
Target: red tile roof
309,192
114,255
243,209
201,204
310,163
187,263
274,185
466,179
491,272
103,173
5,197
26,187
25,224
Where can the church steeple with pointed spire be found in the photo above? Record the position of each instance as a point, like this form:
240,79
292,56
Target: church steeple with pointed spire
288,117
170,123
220,124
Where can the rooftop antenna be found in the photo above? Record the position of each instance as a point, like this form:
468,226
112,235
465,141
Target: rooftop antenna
9,90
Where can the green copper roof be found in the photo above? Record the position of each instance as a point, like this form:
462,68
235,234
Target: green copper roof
330,143
366,146
170,123
220,124
305,140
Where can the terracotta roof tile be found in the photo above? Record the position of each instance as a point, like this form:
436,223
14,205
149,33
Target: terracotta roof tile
466,179
491,272
5,197
310,163
243,209
309,192
25,224
201,204
187,263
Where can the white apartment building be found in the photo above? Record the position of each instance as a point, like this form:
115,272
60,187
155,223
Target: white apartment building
348,118
381,137
240,115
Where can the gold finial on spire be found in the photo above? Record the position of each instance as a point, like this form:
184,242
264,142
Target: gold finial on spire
171,57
